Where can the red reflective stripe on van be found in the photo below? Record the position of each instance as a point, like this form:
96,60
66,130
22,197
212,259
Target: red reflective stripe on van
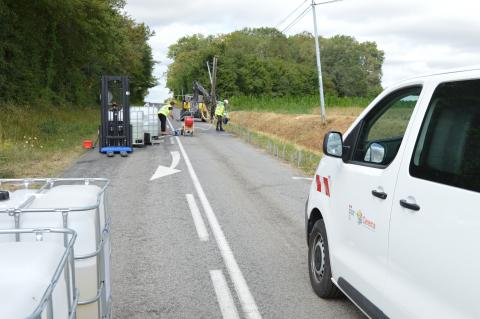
327,187
319,184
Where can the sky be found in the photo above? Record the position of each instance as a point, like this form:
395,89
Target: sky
417,36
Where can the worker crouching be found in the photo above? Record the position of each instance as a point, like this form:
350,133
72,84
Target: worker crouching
165,111
220,113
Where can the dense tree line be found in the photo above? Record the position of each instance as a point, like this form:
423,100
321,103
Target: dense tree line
266,62
56,50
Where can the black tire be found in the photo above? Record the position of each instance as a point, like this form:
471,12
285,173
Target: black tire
319,263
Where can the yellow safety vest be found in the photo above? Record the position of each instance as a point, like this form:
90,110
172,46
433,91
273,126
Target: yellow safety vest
164,110
220,110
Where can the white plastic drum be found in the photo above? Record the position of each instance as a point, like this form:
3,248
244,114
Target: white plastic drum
26,271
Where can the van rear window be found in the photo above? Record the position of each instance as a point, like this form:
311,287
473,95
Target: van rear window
448,147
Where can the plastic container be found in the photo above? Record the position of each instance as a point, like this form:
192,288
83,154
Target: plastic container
20,192
188,121
151,124
136,120
37,277
77,204
87,144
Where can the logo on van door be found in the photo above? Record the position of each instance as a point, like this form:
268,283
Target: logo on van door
360,218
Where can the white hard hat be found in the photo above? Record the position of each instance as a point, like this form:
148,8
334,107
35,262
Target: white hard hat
225,101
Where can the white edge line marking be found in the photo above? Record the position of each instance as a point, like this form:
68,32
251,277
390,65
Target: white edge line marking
197,218
302,178
246,299
224,297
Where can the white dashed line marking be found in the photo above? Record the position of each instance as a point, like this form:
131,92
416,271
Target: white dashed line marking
247,301
197,218
224,297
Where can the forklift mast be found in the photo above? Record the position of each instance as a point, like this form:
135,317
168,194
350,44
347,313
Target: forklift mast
115,129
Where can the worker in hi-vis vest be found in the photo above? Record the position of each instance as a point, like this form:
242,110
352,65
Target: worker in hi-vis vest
165,111
219,113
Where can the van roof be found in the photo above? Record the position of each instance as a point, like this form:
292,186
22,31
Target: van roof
448,71
459,71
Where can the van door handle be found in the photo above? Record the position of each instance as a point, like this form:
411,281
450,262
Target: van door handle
379,194
412,206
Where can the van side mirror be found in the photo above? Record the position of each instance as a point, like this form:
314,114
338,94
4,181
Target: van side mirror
333,144
375,153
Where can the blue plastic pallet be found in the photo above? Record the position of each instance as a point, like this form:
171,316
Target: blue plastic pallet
116,149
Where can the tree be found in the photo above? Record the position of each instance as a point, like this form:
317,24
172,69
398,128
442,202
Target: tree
264,61
57,50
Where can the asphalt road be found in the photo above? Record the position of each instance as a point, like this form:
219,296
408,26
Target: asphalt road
249,259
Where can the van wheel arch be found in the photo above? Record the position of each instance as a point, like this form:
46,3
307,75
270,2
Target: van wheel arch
315,215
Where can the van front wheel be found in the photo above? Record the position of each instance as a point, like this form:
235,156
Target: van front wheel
319,263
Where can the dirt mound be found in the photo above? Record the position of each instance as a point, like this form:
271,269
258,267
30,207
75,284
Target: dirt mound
305,130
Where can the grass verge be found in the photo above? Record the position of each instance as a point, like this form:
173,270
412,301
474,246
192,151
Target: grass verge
299,157
293,138
293,104
43,140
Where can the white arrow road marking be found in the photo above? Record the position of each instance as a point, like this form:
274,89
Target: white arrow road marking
165,171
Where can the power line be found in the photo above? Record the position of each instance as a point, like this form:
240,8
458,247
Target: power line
325,2
290,14
297,19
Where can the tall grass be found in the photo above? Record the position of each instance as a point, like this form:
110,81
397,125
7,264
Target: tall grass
293,104
32,138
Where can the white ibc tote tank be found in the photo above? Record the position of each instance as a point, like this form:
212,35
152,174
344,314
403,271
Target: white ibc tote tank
37,277
136,120
151,121
17,197
78,204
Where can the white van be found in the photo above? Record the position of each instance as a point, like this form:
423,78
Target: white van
393,216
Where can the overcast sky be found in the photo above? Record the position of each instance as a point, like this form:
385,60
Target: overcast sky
418,36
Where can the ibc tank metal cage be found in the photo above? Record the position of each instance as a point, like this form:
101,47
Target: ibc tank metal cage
137,125
151,123
65,266
38,186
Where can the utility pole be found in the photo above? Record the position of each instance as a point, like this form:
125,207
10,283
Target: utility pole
319,65
214,84
209,73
